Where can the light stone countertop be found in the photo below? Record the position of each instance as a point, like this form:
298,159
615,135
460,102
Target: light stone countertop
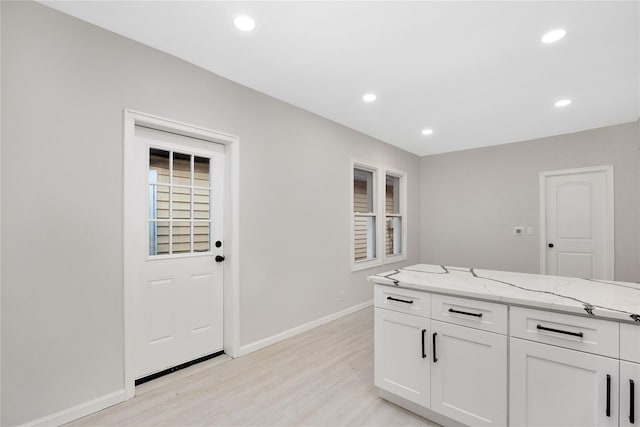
596,298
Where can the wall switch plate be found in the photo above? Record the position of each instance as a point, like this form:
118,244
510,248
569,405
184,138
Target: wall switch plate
529,230
518,231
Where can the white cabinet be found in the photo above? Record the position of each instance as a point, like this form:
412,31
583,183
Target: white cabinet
553,386
462,360
401,355
630,342
469,374
629,400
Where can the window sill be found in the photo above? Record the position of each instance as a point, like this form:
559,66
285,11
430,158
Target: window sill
363,265
395,258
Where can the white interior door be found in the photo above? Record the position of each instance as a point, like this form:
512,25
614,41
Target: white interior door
178,216
578,223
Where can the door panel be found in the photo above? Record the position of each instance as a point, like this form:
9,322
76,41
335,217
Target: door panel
401,361
469,378
179,292
573,264
161,310
201,294
552,386
578,224
629,393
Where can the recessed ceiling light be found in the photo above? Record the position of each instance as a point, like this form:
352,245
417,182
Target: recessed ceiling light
563,103
554,35
427,131
244,23
370,97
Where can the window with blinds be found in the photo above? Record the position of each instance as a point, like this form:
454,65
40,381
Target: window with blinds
393,216
379,216
179,203
364,212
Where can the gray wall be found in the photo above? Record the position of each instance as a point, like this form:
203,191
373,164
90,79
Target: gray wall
471,200
65,85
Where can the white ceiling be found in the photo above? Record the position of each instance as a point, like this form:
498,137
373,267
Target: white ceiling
475,72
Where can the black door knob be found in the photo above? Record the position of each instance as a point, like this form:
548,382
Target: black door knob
219,258
550,245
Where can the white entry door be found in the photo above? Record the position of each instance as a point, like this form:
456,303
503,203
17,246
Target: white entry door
577,221
178,209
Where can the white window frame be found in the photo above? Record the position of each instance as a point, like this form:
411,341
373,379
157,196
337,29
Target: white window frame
377,174
388,259
379,188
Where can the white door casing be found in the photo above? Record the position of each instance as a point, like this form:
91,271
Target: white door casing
183,286
577,223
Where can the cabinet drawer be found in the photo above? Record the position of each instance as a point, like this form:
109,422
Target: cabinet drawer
483,315
402,300
630,342
564,330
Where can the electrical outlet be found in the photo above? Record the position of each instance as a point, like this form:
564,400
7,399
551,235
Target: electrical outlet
518,231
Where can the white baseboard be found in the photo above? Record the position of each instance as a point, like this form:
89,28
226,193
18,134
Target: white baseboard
111,399
257,345
79,411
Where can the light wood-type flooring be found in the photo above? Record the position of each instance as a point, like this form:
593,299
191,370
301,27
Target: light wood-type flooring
323,377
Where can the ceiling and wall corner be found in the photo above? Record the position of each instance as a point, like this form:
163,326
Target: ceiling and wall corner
476,73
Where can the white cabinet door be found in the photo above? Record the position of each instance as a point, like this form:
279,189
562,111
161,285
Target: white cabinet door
401,359
629,400
553,386
469,374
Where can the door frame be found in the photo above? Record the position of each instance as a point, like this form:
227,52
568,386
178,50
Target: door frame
231,303
610,200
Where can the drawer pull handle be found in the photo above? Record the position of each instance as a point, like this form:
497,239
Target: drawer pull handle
400,300
632,402
424,354
435,358
451,310
608,411
560,331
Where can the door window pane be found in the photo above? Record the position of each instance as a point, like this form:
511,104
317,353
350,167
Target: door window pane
201,172
200,204
200,236
181,169
158,238
158,202
158,166
181,204
181,237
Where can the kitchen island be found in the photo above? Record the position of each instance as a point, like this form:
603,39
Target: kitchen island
481,347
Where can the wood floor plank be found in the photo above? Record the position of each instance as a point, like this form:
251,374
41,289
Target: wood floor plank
323,377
